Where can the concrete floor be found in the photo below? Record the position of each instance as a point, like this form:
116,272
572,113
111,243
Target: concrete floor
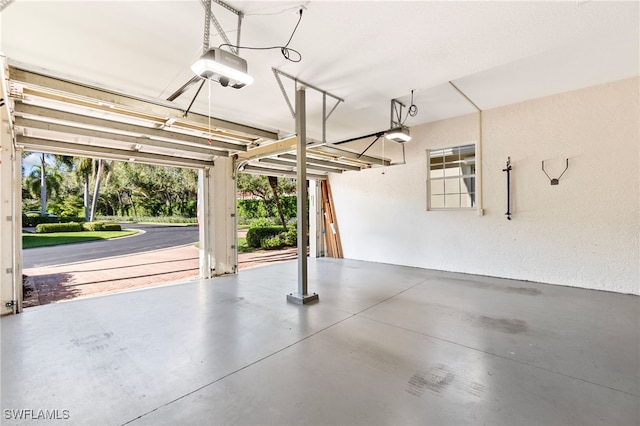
385,345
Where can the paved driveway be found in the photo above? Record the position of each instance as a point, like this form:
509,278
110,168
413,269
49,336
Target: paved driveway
153,237
70,281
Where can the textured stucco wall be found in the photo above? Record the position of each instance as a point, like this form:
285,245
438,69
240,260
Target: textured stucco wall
583,232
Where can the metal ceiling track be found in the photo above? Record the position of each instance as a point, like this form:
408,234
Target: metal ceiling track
56,115
152,109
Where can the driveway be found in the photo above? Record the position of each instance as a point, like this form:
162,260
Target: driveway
154,237
70,281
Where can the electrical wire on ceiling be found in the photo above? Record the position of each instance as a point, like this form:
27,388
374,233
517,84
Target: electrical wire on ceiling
412,111
281,11
285,50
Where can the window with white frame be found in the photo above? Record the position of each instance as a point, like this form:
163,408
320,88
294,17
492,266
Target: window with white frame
451,178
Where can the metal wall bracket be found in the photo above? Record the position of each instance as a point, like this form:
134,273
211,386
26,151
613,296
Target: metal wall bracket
396,113
325,116
555,181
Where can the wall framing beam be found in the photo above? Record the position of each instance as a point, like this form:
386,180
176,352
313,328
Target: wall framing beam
292,165
316,162
268,171
266,150
341,153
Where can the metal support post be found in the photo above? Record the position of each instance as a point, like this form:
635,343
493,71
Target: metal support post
302,297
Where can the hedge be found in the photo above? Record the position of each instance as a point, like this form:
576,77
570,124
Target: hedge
271,237
256,235
101,226
287,238
35,220
48,228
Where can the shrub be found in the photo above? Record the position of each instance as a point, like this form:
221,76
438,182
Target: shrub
101,226
256,234
35,219
272,243
92,226
290,238
112,227
47,228
150,219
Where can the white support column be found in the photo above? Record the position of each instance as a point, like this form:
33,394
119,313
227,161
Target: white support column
10,221
224,217
316,238
205,198
302,296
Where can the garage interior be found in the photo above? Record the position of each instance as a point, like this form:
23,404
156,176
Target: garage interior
434,315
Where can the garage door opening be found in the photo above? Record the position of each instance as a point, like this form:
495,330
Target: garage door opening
95,227
108,226
56,116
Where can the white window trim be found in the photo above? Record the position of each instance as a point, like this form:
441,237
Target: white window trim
476,175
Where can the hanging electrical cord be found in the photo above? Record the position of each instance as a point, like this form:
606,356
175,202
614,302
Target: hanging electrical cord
411,111
209,111
285,50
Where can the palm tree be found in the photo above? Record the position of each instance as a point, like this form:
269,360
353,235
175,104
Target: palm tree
102,167
273,183
42,184
83,169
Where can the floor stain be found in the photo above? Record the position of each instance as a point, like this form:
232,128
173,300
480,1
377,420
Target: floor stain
92,339
525,291
436,380
528,291
440,379
505,325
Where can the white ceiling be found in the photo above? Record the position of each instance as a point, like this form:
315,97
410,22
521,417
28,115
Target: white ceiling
366,52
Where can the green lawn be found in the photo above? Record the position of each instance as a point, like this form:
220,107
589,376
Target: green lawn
243,247
56,238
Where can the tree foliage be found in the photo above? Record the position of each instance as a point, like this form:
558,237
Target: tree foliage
124,189
262,196
134,189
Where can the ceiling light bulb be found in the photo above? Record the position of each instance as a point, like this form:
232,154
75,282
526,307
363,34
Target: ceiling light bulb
398,134
224,67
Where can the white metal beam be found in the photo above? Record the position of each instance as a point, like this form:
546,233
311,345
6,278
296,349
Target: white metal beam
114,137
151,106
268,171
78,120
67,148
343,153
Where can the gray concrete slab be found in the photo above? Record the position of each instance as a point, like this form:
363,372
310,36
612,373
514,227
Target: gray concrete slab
385,345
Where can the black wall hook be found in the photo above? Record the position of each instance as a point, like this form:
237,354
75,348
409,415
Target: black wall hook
508,170
556,180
